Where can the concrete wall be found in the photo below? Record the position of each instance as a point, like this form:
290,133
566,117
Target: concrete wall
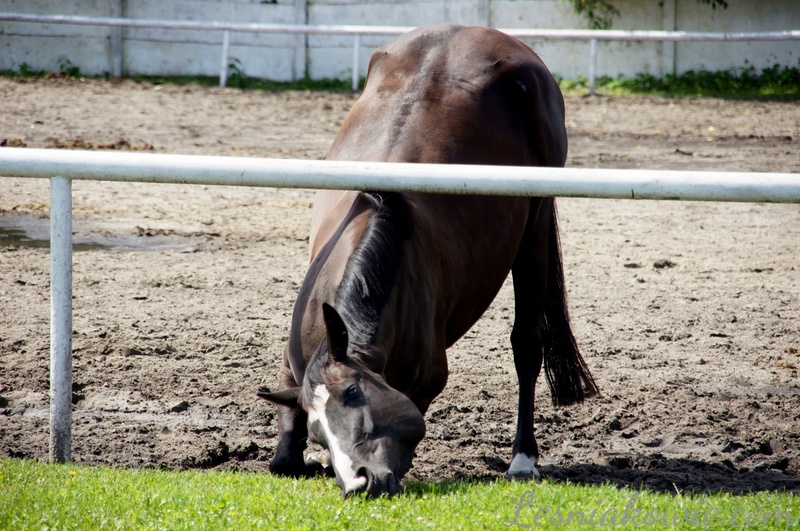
154,51
98,50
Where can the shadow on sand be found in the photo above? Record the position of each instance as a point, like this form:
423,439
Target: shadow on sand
658,474
652,473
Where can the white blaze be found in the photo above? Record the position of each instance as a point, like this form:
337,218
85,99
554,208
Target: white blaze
342,463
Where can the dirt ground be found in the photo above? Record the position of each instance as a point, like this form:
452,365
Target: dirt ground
687,313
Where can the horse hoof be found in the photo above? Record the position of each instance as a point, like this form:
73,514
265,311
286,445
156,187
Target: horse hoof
531,475
523,468
288,467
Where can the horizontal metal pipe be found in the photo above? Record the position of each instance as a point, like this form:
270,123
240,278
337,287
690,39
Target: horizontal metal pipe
432,178
556,34
652,35
208,25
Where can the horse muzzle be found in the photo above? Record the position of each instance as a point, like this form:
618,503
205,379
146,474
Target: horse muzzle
378,483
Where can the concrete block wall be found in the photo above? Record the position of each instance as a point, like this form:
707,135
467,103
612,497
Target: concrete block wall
99,50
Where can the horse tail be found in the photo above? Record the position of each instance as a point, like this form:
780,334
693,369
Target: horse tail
567,374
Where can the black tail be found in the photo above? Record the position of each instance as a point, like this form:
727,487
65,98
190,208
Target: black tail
567,374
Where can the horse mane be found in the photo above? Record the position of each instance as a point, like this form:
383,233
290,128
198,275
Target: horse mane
372,269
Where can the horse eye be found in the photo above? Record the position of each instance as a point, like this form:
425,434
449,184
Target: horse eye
522,85
352,393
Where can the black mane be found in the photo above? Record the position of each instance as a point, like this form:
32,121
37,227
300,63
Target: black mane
371,271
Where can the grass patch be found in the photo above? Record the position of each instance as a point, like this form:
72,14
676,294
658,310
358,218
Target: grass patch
240,81
236,79
774,83
35,495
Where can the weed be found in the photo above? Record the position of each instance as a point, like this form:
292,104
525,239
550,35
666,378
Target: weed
25,70
236,75
67,67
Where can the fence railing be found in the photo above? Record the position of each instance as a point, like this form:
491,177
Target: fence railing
592,36
61,167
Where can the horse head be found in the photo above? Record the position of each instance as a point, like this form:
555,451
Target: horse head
369,428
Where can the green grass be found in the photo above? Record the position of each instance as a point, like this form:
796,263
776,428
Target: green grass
237,78
774,83
251,83
782,83
35,495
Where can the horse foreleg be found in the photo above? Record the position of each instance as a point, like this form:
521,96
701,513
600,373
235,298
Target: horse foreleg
292,437
530,284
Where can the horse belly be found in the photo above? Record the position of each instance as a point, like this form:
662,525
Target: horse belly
475,241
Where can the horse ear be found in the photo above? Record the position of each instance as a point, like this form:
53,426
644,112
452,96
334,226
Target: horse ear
337,332
288,397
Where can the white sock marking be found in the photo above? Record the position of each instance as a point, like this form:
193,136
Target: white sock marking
523,465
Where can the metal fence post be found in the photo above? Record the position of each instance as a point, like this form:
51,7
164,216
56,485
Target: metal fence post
117,10
60,319
226,45
356,66
592,65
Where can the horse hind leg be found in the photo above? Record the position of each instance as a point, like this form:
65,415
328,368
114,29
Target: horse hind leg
529,275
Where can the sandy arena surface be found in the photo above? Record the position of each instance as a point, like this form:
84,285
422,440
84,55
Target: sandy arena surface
687,313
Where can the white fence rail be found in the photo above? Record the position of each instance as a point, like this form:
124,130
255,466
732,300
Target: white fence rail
357,31
61,167
434,178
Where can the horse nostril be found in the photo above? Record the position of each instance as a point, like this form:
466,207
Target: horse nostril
374,485
383,483
367,474
362,482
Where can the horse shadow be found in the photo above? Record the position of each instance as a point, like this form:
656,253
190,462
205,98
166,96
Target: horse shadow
649,473
675,476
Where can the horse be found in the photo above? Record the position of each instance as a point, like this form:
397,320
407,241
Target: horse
395,279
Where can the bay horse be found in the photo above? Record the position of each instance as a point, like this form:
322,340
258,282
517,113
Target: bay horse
396,278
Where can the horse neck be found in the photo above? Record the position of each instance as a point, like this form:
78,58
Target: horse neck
372,270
